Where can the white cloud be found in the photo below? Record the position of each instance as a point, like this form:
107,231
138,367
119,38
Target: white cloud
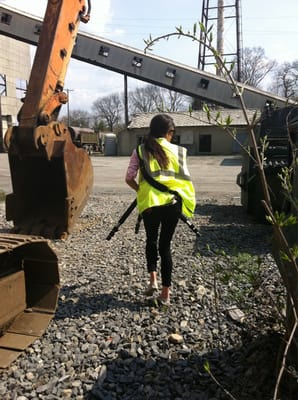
36,8
100,15
100,12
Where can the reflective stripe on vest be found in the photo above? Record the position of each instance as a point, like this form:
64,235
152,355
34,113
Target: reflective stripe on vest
180,174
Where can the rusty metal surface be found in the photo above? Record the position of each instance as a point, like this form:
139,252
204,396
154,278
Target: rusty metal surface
13,296
30,323
16,341
29,290
8,241
51,180
7,356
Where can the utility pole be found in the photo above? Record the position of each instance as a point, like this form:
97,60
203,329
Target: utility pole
68,113
220,31
239,40
125,100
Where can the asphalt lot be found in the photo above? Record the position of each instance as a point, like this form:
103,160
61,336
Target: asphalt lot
213,176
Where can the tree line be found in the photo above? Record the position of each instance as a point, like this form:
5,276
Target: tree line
108,111
257,71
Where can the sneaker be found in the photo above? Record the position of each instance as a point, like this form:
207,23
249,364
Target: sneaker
163,302
151,289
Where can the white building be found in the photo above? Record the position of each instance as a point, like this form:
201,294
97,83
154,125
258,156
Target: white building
193,131
15,67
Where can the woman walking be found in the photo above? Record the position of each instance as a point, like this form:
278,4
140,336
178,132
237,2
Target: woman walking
158,160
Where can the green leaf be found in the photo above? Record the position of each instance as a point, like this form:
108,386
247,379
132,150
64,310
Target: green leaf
179,29
294,251
284,256
228,120
207,111
195,29
207,367
202,27
232,66
210,29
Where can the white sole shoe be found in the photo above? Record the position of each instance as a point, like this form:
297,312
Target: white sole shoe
151,289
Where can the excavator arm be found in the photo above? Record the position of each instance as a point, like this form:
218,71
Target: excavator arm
57,38
51,177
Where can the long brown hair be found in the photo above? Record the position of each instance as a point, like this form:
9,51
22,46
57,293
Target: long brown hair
160,125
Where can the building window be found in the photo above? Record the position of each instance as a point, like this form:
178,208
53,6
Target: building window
205,143
21,87
3,91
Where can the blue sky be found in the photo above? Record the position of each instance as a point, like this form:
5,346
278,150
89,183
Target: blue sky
264,23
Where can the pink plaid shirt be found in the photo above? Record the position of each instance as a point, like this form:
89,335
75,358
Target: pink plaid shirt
133,166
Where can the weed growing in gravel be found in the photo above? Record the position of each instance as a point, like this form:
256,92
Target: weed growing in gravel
242,274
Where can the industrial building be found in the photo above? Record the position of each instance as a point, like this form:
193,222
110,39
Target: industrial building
193,131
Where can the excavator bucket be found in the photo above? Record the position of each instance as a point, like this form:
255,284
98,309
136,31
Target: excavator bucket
29,289
51,180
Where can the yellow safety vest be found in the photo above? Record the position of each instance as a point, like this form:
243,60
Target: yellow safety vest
175,176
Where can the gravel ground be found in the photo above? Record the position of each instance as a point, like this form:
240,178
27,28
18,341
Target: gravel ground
108,342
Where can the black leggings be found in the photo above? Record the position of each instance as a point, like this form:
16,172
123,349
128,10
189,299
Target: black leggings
167,217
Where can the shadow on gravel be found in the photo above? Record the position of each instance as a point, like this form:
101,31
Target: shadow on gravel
247,372
73,305
230,228
224,213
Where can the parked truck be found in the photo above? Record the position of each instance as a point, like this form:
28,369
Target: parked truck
85,138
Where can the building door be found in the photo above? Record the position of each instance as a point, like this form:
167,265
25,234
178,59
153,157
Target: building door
204,143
